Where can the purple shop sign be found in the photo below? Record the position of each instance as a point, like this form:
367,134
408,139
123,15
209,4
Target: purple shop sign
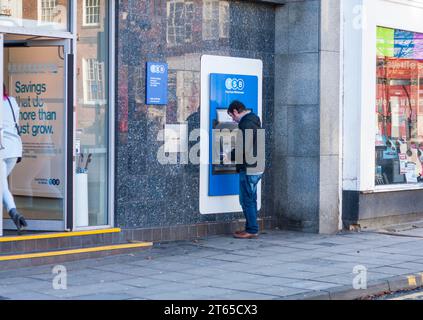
418,46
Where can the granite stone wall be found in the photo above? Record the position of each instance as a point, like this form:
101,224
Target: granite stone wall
297,144
307,118
148,194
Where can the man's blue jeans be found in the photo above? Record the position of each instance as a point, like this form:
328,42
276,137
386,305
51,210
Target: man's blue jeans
248,200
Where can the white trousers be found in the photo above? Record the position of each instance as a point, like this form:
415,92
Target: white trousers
7,167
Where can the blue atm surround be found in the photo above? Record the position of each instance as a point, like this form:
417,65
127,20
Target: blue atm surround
225,88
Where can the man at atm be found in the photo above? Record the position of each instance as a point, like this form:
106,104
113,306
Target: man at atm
249,158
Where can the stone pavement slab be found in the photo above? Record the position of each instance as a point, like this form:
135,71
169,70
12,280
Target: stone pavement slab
31,295
75,291
281,291
278,265
106,296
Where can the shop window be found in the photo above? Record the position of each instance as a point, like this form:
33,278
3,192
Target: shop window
91,12
180,15
215,19
399,107
93,81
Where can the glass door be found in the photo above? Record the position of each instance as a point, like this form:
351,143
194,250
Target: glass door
36,75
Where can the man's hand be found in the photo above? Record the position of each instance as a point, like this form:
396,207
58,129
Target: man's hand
225,159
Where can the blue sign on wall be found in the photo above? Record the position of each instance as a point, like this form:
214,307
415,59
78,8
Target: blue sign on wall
156,83
224,89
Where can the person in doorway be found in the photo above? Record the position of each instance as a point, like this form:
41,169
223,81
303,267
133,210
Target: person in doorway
10,154
250,172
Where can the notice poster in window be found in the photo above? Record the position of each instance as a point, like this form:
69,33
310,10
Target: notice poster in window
411,175
36,81
403,163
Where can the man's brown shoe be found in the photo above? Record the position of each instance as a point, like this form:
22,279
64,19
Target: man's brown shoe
245,235
239,232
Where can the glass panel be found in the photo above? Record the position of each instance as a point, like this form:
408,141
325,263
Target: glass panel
35,78
399,107
93,105
35,14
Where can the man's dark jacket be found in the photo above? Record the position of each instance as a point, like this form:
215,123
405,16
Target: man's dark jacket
249,121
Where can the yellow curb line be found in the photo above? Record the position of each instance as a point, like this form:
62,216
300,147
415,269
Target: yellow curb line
75,251
59,235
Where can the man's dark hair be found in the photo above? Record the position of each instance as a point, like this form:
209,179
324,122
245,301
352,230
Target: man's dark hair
236,105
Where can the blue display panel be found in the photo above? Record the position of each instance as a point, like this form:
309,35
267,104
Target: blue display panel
224,89
156,83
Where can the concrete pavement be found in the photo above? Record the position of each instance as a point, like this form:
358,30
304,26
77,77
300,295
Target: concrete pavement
279,265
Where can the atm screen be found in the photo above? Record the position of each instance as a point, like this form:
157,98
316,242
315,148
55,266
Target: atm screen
224,141
223,116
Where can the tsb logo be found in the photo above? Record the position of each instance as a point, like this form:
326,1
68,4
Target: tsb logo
234,84
157,68
54,182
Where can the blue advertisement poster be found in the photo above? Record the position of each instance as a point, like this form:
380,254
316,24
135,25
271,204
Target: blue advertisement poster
224,89
156,83
403,44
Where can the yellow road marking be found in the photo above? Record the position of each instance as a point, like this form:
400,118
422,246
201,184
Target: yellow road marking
59,235
412,281
75,251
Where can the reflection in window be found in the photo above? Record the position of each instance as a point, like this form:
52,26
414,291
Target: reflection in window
224,19
399,107
93,81
48,10
139,84
10,8
187,93
37,14
215,19
92,110
180,15
91,12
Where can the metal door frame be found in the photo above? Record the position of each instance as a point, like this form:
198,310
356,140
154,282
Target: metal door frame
67,222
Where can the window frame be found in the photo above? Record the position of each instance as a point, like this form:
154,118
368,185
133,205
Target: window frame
110,77
362,17
406,92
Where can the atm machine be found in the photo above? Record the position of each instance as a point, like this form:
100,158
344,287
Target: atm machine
224,80
224,89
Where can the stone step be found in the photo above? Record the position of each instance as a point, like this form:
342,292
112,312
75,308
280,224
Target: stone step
60,256
59,241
